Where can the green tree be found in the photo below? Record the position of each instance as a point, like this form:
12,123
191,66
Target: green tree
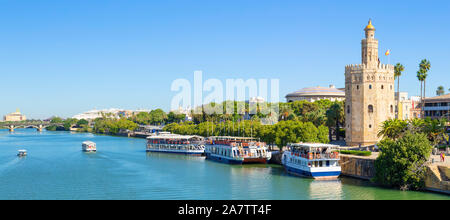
435,130
142,118
393,128
401,163
398,69
56,120
68,123
82,122
335,118
158,116
440,91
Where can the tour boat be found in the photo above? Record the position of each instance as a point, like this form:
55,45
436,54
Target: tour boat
174,143
22,153
236,150
318,161
89,146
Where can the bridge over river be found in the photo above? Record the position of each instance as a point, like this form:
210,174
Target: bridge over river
39,125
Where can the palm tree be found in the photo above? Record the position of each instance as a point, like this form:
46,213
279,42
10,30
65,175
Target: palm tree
393,129
398,69
425,66
440,91
436,130
420,78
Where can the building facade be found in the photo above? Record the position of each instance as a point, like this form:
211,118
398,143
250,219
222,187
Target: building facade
408,108
437,107
15,116
369,89
313,94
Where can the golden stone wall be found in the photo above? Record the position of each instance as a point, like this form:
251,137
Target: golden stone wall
370,95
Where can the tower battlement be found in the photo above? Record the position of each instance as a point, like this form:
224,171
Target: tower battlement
357,67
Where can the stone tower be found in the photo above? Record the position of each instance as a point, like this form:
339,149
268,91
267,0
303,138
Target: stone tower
369,92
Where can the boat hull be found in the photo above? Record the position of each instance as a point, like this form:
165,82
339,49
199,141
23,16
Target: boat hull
254,160
223,159
320,175
192,153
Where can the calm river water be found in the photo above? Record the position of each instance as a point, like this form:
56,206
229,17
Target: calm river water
56,168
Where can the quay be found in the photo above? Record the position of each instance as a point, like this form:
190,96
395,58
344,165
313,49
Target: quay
363,167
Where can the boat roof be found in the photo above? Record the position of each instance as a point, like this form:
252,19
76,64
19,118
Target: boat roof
88,142
313,145
233,138
22,150
174,136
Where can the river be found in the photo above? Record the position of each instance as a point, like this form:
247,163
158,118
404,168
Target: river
56,168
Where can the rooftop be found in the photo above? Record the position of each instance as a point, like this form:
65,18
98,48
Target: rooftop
313,145
317,91
442,98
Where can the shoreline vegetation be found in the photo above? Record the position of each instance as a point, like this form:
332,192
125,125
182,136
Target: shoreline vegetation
404,150
300,121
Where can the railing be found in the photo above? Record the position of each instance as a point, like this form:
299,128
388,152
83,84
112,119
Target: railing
318,156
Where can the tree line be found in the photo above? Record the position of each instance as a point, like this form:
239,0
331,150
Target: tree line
279,134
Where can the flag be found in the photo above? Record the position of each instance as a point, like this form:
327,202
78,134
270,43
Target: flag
388,52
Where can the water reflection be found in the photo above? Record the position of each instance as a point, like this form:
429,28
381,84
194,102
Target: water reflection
326,189
173,156
57,169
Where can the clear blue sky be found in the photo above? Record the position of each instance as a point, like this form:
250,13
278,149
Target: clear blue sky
66,57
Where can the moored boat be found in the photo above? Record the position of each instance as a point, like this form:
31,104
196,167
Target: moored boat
174,143
236,150
318,161
89,146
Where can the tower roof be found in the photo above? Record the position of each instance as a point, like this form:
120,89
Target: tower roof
370,26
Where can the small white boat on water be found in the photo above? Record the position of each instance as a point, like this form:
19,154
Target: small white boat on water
89,146
22,153
318,161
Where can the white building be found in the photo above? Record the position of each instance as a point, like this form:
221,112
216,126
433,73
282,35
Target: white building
313,94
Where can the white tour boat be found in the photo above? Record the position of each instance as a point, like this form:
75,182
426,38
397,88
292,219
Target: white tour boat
318,161
89,146
236,150
22,153
174,143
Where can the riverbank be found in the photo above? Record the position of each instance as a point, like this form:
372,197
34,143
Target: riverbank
56,168
436,179
359,167
363,167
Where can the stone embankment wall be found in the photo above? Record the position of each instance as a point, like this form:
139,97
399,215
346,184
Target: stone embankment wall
437,179
358,167
276,157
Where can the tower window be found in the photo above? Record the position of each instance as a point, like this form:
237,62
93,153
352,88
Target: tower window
382,87
357,87
348,109
370,86
392,109
370,108
370,126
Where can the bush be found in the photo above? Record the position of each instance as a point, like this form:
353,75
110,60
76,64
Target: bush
402,162
356,152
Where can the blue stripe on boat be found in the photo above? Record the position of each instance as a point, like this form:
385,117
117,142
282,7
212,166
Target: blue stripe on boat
222,159
312,174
